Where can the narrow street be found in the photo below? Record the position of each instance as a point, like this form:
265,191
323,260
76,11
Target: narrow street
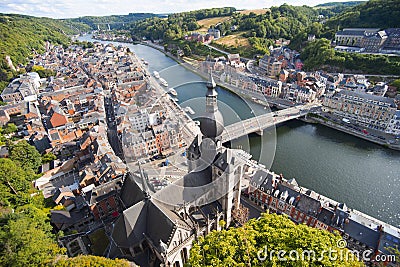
112,133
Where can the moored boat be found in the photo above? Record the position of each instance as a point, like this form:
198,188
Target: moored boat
172,92
163,82
156,74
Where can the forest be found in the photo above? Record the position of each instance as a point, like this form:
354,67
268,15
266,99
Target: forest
320,55
117,22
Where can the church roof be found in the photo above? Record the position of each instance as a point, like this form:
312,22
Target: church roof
148,218
188,189
131,193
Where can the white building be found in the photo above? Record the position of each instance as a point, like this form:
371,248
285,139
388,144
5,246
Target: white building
394,125
139,120
24,88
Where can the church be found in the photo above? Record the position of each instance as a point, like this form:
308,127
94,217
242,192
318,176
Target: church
159,229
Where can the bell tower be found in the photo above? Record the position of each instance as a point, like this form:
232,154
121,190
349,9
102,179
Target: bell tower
211,122
202,151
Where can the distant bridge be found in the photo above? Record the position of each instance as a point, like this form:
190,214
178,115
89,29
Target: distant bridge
259,123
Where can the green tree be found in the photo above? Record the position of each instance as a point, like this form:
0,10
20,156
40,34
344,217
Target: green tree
261,31
14,184
43,73
48,157
315,28
317,53
26,155
91,261
21,34
248,245
26,239
9,128
187,50
396,83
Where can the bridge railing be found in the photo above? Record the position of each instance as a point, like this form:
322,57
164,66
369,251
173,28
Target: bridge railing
259,123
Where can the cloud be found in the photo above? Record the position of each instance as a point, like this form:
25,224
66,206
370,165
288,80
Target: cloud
76,8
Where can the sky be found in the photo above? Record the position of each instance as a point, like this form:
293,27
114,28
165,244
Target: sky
77,8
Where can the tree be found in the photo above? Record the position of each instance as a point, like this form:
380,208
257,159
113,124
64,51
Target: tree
43,73
261,31
259,242
10,128
91,261
14,184
187,50
315,28
317,53
26,155
48,157
26,239
396,83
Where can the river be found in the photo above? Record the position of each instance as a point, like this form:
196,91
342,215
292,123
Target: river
363,175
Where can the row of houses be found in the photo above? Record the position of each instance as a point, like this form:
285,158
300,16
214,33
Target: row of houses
275,194
366,110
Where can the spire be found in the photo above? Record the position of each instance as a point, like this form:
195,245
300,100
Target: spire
212,122
145,188
211,83
211,95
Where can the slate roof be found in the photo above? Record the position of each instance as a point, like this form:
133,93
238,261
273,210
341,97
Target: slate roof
326,216
188,189
361,232
42,144
259,177
147,217
308,204
356,32
131,193
287,194
63,218
105,190
368,96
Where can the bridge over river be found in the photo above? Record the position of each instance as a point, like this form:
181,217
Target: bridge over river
259,123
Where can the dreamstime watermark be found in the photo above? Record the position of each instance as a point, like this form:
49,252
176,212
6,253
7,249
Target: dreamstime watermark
332,254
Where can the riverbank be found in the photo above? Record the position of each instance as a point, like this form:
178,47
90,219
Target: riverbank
352,132
255,97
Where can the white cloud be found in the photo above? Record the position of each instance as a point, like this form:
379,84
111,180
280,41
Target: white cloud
75,8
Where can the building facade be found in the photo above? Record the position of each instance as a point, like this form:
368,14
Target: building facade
271,66
363,109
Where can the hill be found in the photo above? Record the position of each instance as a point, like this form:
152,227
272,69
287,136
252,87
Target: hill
20,35
115,21
255,30
175,26
205,24
372,14
338,4
334,8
